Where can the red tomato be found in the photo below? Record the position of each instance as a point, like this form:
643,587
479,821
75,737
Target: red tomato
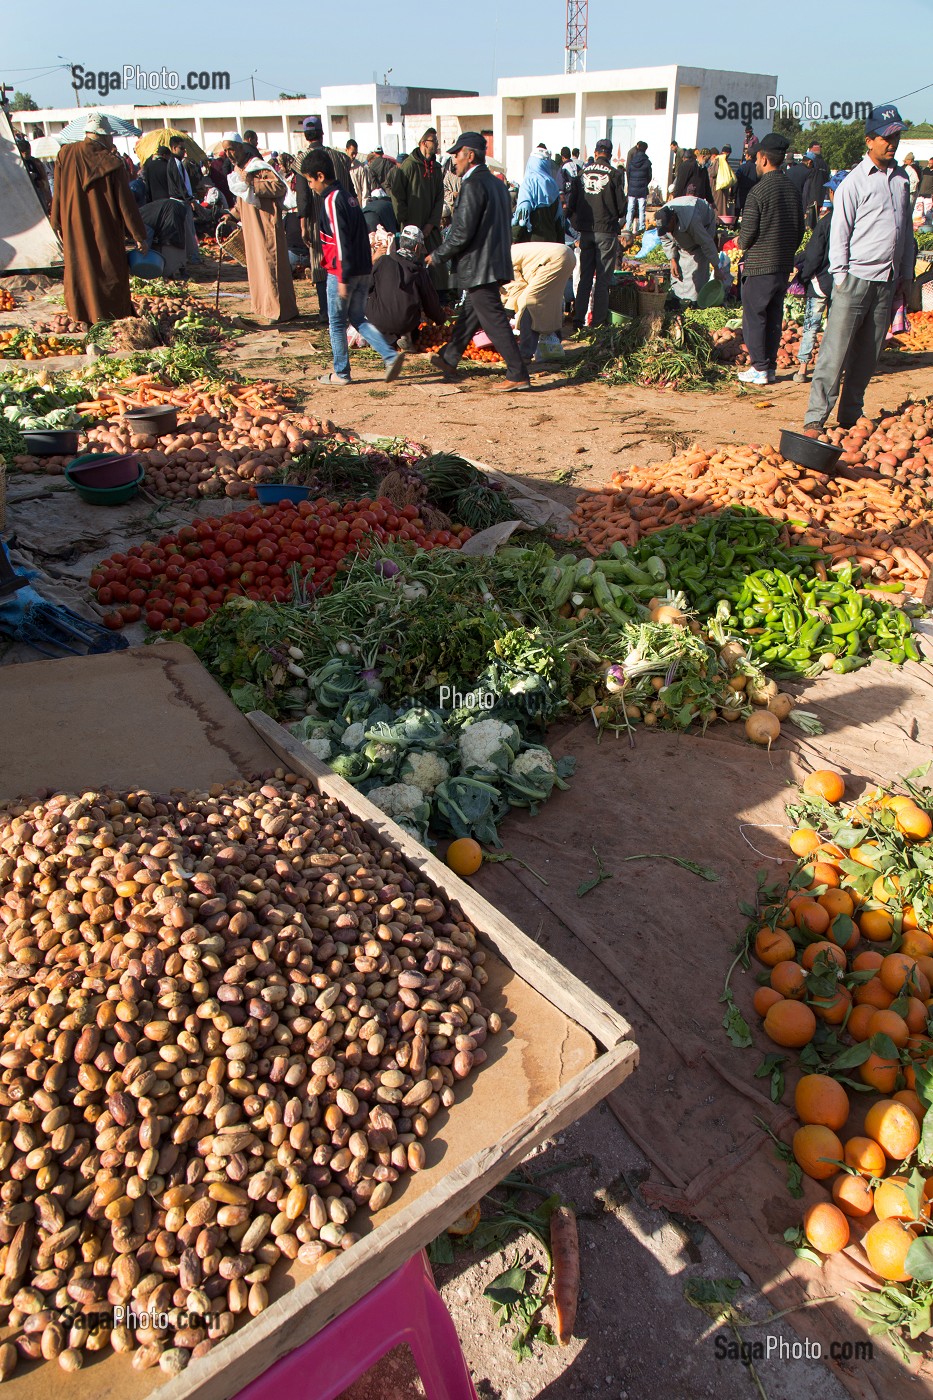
172,624
195,615
120,592
105,595
130,613
155,621
114,621
138,596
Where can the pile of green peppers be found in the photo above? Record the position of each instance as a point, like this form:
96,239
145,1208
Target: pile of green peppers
805,625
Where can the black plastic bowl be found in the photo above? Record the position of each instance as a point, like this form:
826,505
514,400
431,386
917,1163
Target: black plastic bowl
809,452
61,443
153,422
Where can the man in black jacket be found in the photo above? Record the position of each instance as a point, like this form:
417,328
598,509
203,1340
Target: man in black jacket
596,208
638,173
770,234
819,176
800,172
478,248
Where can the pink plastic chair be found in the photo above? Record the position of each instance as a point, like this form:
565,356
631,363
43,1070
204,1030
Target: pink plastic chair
406,1307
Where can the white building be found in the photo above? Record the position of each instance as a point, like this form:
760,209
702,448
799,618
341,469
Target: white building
694,106
373,114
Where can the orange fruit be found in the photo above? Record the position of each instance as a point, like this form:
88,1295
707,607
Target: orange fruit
764,998
832,951
899,801
886,1245
893,1127
811,916
910,920
858,1023
877,925
804,841
785,918
852,1194
818,1098
870,959
924,964
921,986
464,856
886,889
914,822
823,782
895,970
773,946
789,979
838,902
915,943
833,1010
889,1023
826,1227
811,1145
824,873
916,1016
890,1201
790,1023
865,1155
910,1100
880,1073
873,993
866,854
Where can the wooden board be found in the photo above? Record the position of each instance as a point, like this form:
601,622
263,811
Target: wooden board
156,712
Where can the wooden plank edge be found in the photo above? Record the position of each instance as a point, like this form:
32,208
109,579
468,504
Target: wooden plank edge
299,1315
542,971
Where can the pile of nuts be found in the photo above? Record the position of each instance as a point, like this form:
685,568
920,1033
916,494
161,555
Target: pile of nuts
226,1022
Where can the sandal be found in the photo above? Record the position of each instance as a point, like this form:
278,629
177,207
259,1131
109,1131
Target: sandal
334,379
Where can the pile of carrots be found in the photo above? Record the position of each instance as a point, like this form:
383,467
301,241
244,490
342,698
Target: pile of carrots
885,525
919,339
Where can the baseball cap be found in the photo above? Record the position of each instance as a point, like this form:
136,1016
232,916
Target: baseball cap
774,142
884,121
470,141
603,146
835,181
311,124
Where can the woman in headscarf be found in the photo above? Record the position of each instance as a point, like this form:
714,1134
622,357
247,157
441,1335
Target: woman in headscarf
722,178
260,195
539,216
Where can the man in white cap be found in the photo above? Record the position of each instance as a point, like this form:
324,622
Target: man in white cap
94,214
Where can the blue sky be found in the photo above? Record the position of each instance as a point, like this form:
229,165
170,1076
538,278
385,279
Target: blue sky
830,55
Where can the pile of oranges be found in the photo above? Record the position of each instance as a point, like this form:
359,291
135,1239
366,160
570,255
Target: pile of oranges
851,965
7,300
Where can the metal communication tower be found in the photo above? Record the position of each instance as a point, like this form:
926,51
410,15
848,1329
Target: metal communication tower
575,44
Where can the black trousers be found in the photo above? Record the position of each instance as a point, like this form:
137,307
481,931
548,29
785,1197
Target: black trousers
483,310
762,318
597,259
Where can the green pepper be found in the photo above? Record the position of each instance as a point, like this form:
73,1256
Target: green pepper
845,664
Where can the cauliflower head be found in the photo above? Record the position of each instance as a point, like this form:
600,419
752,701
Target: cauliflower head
319,745
532,760
353,735
490,745
405,804
424,770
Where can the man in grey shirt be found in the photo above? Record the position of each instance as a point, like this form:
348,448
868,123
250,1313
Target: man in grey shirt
871,256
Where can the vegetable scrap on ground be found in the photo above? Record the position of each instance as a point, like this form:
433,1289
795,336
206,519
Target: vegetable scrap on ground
291,910
845,995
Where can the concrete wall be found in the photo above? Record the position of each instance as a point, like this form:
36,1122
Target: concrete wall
718,91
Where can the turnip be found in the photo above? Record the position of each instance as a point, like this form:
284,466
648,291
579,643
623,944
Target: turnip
781,705
760,692
763,728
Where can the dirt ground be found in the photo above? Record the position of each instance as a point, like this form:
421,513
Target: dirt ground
636,1334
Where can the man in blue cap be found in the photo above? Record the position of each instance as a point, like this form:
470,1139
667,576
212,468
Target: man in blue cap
812,269
871,256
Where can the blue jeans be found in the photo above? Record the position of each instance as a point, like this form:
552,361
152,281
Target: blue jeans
636,206
812,320
352,311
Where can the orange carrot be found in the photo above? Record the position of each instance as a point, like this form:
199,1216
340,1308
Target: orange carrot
565,1253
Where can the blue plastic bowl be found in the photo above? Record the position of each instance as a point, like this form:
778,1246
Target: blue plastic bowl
148,264
269,495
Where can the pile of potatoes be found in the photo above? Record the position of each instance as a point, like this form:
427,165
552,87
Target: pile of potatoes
899,445
210,456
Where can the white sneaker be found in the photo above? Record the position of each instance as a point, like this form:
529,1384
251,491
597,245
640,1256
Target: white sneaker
753,376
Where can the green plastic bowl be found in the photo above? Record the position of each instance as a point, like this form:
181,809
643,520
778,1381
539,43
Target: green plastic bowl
617,318
711,293
102,495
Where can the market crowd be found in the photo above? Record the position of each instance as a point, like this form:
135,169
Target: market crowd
393,244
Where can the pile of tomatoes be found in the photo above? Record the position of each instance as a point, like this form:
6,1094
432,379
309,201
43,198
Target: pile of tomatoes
254,553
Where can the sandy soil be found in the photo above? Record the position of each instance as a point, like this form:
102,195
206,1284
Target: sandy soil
636,1335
